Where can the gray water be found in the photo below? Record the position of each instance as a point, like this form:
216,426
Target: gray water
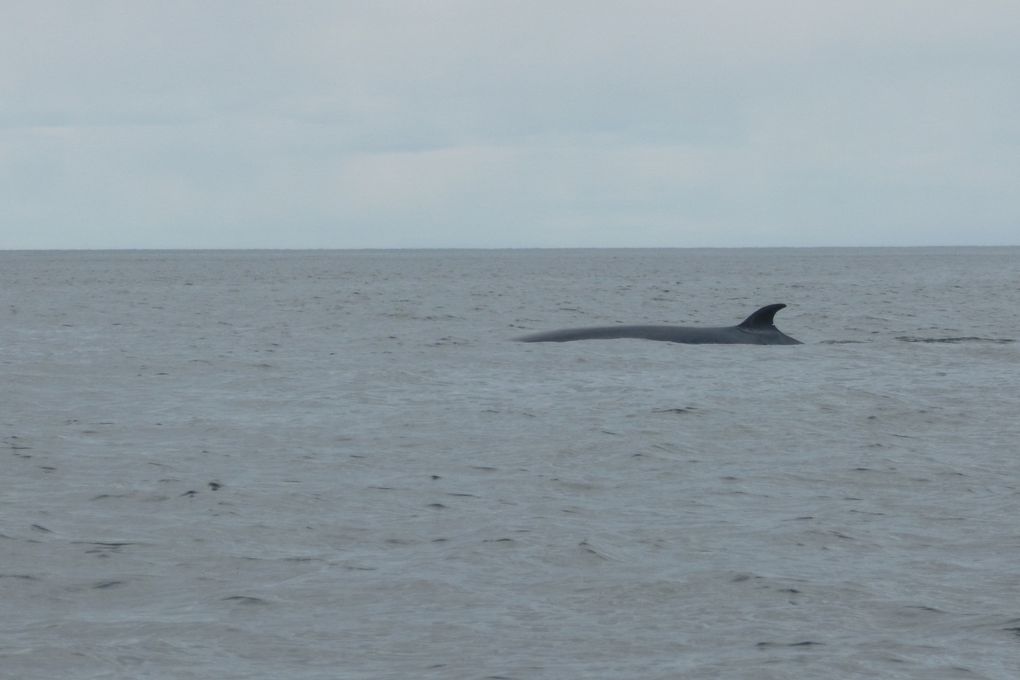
339,465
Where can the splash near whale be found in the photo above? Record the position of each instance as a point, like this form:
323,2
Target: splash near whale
757,329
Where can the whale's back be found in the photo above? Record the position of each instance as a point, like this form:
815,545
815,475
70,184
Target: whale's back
757,329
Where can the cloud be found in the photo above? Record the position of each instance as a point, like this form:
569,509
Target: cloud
335,124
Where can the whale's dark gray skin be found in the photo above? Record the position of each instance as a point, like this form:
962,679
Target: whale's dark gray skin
756,329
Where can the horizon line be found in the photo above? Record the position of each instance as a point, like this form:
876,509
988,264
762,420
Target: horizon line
486,248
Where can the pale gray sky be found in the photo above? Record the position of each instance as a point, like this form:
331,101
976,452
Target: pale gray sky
435,123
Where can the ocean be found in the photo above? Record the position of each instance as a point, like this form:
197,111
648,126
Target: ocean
339,464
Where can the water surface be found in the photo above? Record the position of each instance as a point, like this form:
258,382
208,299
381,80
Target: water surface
338,464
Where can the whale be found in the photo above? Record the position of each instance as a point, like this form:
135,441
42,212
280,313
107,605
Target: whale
757,329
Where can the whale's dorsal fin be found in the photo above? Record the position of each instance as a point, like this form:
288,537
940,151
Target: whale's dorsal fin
762,319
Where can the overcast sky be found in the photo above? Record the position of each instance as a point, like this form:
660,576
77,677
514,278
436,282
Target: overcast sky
434,123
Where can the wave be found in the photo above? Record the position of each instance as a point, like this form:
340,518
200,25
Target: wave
969,338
